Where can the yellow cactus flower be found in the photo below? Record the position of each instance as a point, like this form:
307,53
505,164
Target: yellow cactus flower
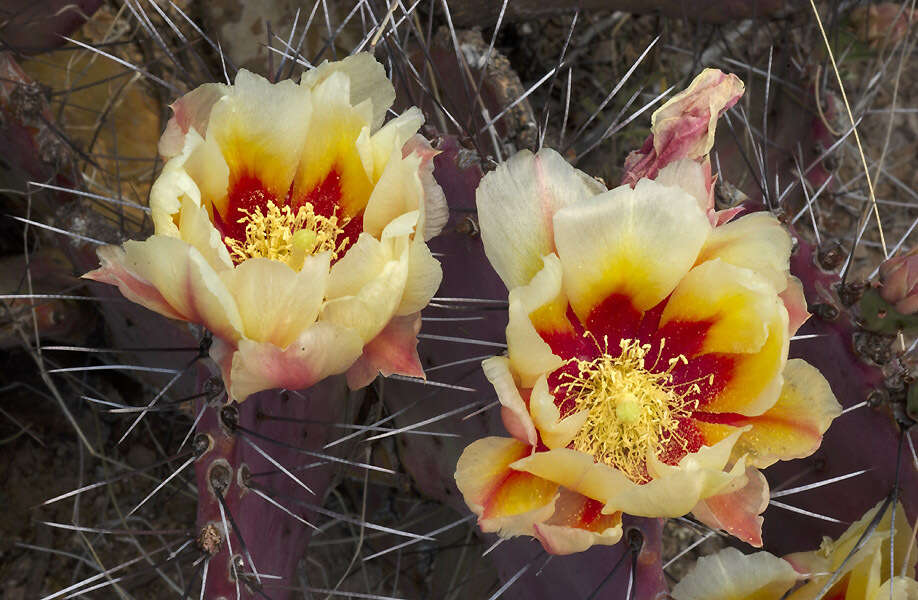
731,575
291,222
647,368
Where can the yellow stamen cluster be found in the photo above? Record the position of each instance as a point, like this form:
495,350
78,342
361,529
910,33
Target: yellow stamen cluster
283,235
633,408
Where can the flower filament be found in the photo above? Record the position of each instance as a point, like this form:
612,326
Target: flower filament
633,409
281,234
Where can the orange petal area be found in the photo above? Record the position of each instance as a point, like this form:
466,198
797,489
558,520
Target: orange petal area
736,302
505,500
747,384
169,276
578,523
864,574
636,242
394,350
673,491
755,241
793,427
732,575
738,512
331,171
261,131
322,350
516,203
514,410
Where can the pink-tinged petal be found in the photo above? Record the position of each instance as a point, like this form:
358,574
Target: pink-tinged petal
367,79
721,217
191,111
633,242
794,426
361,373
277,303
684,126
514,410
506,501
436,212
393,351
738,512
114,271
731,575
577,524
322,350
516,203
171,277
795,303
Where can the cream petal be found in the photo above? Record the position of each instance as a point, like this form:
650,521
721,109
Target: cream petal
368,309
393,137
207,167
362,262
638,242
903,588
731,575
277,303
397,192
196,229
322,350
515,206
755,241
737,302
173,184
184,280
423,280
367,78
513,409
529,354
690,176
554,431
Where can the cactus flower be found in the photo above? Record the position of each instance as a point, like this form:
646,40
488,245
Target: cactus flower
731,575
647,368
291,222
